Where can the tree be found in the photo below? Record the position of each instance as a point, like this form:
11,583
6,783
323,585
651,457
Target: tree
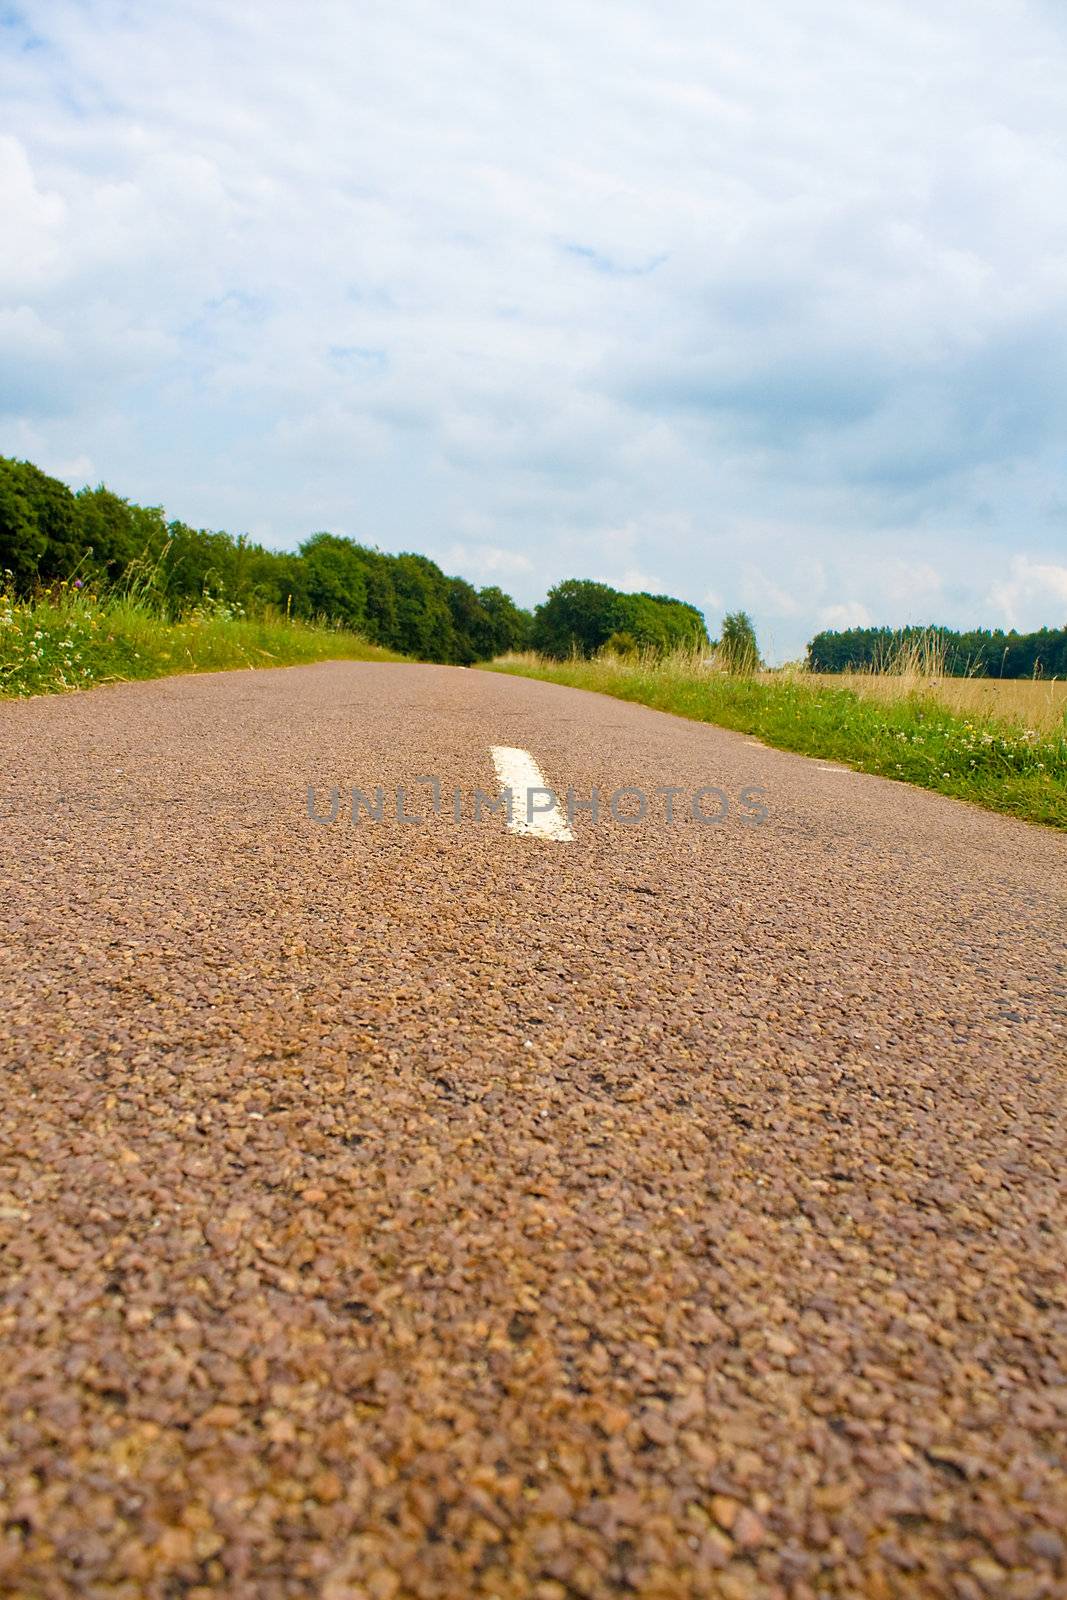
39,537
470,623
426,624
336,585
509,626
405,601
106,525
22,544
578,615
738,649
582,615
622,644
661,623
979,652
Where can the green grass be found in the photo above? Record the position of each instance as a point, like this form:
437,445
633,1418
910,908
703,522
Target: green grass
73,639
994,764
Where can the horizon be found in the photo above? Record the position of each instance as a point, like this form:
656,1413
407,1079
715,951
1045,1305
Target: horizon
758,313
930,625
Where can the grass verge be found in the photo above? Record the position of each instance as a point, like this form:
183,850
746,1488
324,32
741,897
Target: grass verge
72,639
991,763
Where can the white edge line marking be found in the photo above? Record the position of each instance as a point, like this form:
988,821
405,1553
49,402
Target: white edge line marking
518,771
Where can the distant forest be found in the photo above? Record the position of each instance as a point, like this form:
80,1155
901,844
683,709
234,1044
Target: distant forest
982,652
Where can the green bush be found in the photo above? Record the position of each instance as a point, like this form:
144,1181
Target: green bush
622,644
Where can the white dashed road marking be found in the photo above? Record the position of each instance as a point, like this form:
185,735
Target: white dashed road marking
533,809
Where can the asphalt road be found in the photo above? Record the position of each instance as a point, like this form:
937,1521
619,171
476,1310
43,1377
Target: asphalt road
435,1211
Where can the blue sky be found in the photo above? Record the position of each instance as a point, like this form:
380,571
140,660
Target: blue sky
760,306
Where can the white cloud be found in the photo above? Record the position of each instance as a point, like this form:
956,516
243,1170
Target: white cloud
25,338
33,219
1033,593
849,614
635,581
760,591
487,562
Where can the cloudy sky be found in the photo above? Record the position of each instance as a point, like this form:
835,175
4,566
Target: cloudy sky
763,306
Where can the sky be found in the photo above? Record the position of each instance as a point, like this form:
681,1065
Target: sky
762,306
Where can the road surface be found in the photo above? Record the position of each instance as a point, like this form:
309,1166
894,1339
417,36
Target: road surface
435,1210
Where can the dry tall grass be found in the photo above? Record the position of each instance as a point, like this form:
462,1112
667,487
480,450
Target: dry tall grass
1029,702
918,670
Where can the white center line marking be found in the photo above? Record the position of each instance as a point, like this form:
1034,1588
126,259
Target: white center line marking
533,813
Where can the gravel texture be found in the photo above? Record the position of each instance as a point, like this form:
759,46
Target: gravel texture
431,1211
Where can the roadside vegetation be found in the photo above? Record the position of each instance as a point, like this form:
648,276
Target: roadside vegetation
50,536
72,638
901,732
98,586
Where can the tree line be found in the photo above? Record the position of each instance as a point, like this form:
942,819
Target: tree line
980,652
49,534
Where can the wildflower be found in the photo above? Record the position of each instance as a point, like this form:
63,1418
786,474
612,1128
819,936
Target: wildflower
77,583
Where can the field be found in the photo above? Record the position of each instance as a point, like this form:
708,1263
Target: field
889,726
73,639
1031,702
